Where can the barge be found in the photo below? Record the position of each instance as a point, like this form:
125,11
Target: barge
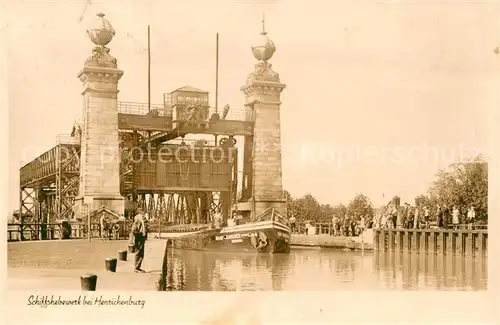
268,233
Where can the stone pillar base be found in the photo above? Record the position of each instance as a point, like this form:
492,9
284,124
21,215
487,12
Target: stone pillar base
115,204
279,205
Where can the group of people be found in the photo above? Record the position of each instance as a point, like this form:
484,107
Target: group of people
413,217
405,216
349,226
341,226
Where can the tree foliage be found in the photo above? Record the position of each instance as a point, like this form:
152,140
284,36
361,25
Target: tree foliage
463,185
360,206
307,208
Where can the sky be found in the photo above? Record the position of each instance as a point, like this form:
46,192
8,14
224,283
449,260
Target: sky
379,94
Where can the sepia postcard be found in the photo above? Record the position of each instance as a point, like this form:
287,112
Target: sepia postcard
250,162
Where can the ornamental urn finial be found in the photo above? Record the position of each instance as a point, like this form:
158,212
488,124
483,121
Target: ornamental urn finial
264,48
101,32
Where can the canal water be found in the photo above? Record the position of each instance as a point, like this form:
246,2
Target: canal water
314,269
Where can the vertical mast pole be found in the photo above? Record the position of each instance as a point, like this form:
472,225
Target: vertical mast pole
216,78
217,73
149,69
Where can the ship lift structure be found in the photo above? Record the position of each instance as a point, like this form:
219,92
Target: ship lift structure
187,190
175,182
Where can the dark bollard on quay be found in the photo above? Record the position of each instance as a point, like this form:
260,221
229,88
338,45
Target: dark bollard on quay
111,264
88,282
122,255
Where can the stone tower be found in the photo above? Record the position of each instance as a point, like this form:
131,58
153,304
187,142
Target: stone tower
100,156
262,93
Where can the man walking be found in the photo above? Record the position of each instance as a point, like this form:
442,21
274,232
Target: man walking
139,232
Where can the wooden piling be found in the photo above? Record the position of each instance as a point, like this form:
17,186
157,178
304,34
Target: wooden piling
432,241
442,242
460,243
381,240
485,244
469,244
449,242
391,241
474,244
480,246
406,243
414,242
426,242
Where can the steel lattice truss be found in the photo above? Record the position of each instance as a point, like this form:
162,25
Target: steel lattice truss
48,188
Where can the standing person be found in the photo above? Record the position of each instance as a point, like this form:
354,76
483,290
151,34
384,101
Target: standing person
446,216
383,220
426,216
471,215
439,216
410,217
415,218
333,232
353,226
394,216
102,222
345,228
455,217
292,223
401,216
139,232
362,224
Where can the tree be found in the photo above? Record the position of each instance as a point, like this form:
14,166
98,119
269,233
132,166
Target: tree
463,185
340,210
360,206
307,208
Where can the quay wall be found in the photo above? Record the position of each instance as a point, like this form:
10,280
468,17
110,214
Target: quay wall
421,241
432,241
327,241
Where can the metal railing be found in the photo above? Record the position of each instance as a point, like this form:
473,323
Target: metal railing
326,228
234,114
137,108
49,231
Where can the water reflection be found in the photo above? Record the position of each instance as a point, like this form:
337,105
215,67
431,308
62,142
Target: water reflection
322,270
442,272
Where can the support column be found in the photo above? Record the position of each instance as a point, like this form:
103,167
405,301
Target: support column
262,93
100,156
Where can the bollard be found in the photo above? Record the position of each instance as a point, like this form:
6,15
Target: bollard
111,264
122,255
131,249
88,282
